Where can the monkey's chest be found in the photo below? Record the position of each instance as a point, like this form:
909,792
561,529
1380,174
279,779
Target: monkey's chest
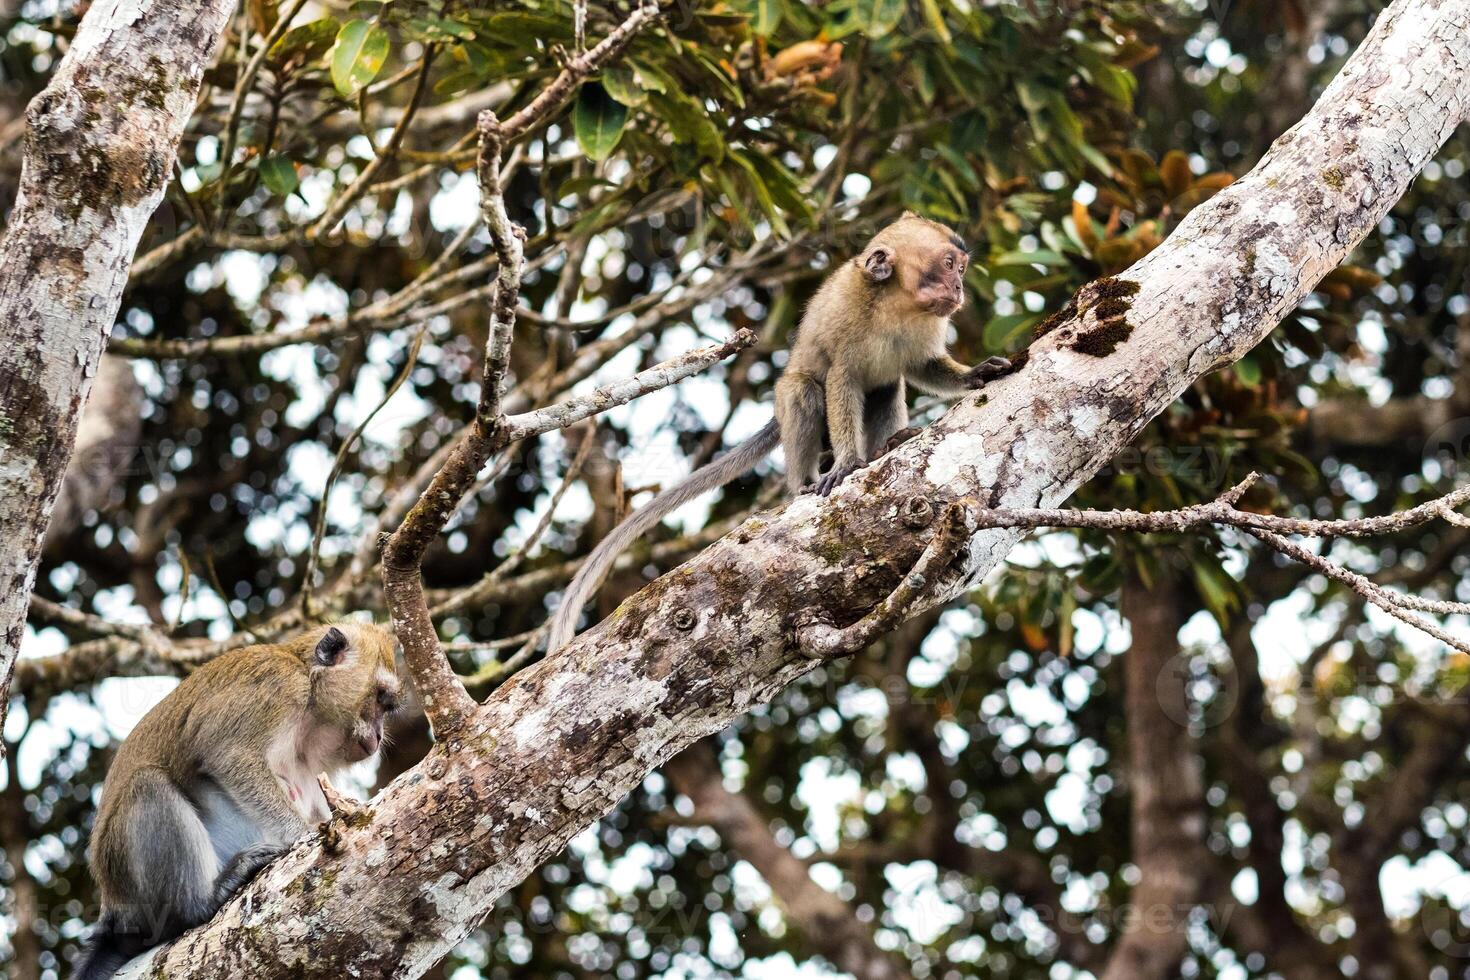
296,776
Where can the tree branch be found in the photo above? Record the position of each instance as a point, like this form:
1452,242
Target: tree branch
99,151
827,922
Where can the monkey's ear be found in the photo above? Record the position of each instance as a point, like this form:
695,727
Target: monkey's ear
877,263
331,648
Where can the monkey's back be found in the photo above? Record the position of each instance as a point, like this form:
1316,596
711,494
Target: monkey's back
252,674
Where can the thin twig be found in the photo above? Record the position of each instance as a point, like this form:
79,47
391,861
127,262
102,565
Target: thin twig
578,68
308,580
244,84
1270,530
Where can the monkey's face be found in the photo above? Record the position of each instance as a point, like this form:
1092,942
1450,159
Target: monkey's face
355,686
939,274
922,262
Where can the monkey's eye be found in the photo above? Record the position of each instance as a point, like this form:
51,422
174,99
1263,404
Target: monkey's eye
388,702
949,261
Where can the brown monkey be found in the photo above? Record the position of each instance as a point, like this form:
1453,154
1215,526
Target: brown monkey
877,324
220,778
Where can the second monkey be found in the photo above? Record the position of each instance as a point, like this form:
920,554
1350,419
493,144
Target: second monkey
878,323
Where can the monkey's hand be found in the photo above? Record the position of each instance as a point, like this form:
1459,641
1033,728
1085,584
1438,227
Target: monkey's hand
987,370
834,477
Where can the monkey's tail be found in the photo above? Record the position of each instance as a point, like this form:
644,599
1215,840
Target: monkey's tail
742,459
108,950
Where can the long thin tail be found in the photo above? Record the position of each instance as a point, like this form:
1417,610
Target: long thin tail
108,950
584,585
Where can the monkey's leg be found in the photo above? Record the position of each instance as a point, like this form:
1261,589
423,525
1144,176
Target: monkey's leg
171,864
242,867
845,427
801,409
885,413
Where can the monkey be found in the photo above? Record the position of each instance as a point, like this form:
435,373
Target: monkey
877,324
219,779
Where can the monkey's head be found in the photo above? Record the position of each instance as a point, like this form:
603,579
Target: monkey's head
920,264
354,684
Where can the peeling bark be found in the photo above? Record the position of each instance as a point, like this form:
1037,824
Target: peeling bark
560,743
99,149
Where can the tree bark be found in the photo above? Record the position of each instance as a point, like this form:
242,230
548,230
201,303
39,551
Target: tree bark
99,151
386,891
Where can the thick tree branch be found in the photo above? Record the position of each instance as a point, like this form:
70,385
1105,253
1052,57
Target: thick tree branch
1165,789
99,151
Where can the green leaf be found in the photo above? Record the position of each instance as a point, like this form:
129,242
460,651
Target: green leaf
762,194
766,17
518,27
278,174
1216,590
876,18
782,183
1116,83
309,42
598,121
689,123
578,186
653,79
1037,257
358,56
1248,371
437,30
934,17
623,84
732,194
1002,331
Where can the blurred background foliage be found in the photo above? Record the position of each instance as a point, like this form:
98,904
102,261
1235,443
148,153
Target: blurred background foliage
968,789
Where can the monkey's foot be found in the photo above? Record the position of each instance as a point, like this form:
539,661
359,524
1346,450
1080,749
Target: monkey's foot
834,477
987,370
244,866
897,439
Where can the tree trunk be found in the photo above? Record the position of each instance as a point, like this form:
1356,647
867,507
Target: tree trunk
98,155
386,891
1165,788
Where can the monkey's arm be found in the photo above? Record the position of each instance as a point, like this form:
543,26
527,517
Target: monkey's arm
845,399
946,376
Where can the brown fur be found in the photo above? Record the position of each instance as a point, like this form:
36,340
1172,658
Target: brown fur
878,323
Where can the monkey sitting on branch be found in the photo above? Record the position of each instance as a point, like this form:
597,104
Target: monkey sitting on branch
878,323
220,778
